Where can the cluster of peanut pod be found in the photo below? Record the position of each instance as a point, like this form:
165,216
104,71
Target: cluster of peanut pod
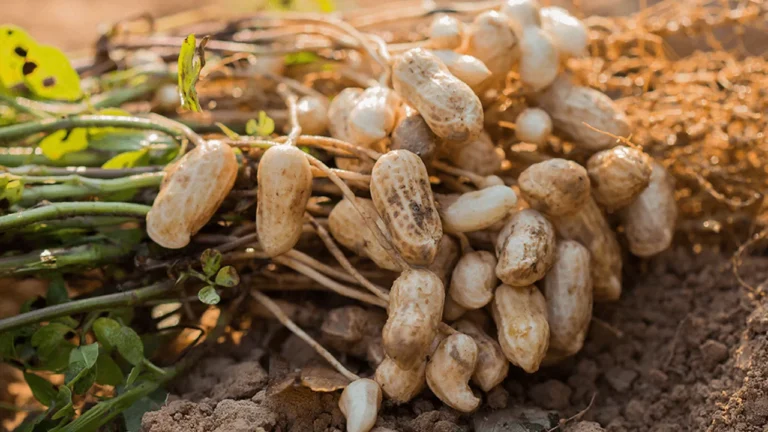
555,250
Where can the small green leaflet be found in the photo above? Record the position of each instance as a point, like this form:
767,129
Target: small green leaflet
301,58
208,295
191,61
47,339
57,290
59,143
106,332
63,402
263,127
41,388
129,159
13,191
129,346
211,261
227,277
107,371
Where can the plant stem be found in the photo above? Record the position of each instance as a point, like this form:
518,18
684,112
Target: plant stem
83,222
43,170
89,187
90,254
18,156
105,302
19,105
63,210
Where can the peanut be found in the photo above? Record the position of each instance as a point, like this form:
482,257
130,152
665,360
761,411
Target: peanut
490,40
448,105
618,176
469,69
452,310
360,402
284,187
448,253
477,155
449,371
445,32
570,106
533,125
525,248
474,211
403,197
649,222
521,14
568,289
412,133
520,314
492,366
474,280
313,115
355,331
373,116
400,385
539,59
555,187
415,310
338,125
192,191
568,32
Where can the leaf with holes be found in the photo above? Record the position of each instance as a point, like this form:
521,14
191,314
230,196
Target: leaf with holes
61,142
15,43
49,75
191,61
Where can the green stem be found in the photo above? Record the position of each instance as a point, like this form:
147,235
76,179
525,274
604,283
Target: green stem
18,156
91,255
43,170
84,187
106,302
83,222
63,210
19,105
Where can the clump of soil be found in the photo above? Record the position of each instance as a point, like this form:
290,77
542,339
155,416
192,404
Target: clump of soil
684,349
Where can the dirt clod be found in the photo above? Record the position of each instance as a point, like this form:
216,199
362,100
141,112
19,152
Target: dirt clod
551,394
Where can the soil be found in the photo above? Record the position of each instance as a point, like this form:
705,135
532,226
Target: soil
684,349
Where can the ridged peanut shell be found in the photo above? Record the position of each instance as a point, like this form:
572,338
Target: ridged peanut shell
400,385
525,248
618,176
349,228
492,366
555,187
649,222
520,314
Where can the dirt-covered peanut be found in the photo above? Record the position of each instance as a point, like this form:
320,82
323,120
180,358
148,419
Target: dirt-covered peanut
415,311
449,370
573,107
284,188
347,226
589,227
448,253
533,125
465,67
555,187
338,125
192,191
490,39
474,211
477,155
525,248
568,32
539,59
452,310
360,402
412,133
445,32
354,331
448,105
373,116
649,222
520,314
313,115
568,289
474,280
618,175
492,366
403,197
521,14
401,385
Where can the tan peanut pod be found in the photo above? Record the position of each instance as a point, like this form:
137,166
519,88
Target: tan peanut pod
448,105
274,65
533,125
618,175
360,402
313,115
400,385
452,310
649,222
539,59
490,39
589,227
412,133
555,187
403,197
448,253
476,155
474,211
191,192
520,314
474,280
449,370
525,248
415,311
284,188
469,69
338,125
445,33
571,106
373,117
568,289
521,14
492,366
347,226
568,32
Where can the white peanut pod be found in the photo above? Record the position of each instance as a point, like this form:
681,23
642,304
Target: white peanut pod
312,113
492,366
568,32
478,210
284,188
649,222
525,248
402,195
445,32
568,289
448,253
448,105
539,59
477,155
490,39
338,125
618,175
533,125
555,187
373,117
589,227
572,107
360,402
400,385
522,14
452,310
415,311
520,314
469,69
348,227
449,370
412,133
191,192
474,280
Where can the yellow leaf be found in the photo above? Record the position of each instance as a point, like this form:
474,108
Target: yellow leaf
128,160
15,43
191,61
59,143
48,74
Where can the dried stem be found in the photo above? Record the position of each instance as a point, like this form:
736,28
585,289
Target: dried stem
321,267
290,99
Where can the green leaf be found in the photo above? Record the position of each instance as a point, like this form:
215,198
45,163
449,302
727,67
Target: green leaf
13,191
129,159
108,372
129,345
86,354
49,74
8,345
30,424
41,388
47,339
81,373
228,132
265,126
106,330
227,277
191,61
62,142
208,295
57,290
134,374
134,413
301,58
211,261
63,403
